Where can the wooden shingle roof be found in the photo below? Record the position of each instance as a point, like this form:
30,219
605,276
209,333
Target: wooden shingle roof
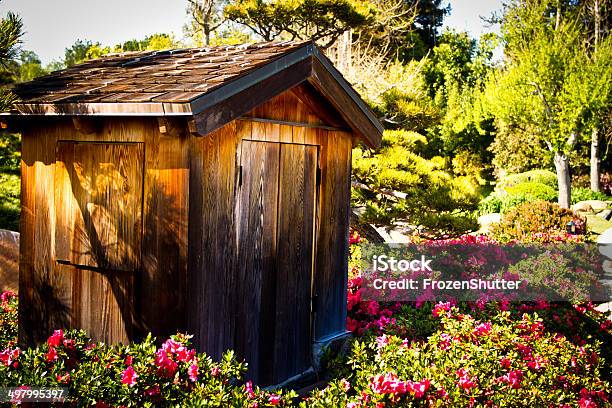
174,76
213,84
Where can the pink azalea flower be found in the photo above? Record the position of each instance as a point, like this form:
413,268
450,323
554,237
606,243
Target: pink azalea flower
248,387
482,329
192,371
274,399
129,376
215,371
441,309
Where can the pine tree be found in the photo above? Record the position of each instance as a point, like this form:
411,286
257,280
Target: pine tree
11,30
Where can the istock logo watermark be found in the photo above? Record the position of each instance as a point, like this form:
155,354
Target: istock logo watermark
487,271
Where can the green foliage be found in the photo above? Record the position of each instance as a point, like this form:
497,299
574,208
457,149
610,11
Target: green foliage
524,222
84,50
301,19
533,190
503,358
10,206
500,203
134,375
401,185
10,185
584,194
11,30
518,148
535,176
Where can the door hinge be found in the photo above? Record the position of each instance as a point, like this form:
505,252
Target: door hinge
239,175
318,176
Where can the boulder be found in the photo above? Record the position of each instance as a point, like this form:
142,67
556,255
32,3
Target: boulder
485,221
604,242
606,215
595,206
9,260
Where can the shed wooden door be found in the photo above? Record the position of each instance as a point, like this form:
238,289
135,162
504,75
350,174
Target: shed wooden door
99,188
276,213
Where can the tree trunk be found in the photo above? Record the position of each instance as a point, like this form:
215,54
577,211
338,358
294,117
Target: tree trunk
595,160
563,179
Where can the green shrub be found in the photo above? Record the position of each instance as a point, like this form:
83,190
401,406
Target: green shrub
502,361
526,221
533,191
584,194
536,176
501,203
9,201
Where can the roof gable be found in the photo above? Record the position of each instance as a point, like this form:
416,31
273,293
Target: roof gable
214,85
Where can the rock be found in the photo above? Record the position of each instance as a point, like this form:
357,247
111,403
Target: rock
590,206
488,219
606,215
9,260
604,243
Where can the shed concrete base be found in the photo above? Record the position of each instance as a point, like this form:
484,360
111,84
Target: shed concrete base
336,344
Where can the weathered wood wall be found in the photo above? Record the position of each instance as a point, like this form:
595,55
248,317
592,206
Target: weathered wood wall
215,287
181,270
133,195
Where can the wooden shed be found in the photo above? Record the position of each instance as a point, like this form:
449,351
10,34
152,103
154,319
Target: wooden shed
200,190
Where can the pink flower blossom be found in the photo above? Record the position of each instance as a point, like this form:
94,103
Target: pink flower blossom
505,362
129,376
248,388
382,341
166,367
513,379
441,309
465,382
274,399
192,371
482,329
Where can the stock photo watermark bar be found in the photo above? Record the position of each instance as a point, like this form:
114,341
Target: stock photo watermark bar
483,272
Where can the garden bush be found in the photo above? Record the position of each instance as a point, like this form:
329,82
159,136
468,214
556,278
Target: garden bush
10,206
536,222
404,354
533,191
535,176
136,375
505,360
584,194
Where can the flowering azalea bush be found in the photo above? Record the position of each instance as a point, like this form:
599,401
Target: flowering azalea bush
469,362
423,353
137,375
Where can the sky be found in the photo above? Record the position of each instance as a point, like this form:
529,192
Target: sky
53,25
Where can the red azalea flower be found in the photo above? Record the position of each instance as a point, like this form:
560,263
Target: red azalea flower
215,371
274,399
128,360
56,338
129,376
154,391
505,362
51,355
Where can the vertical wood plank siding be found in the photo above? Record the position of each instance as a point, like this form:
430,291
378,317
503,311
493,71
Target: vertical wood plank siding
112,305
182,271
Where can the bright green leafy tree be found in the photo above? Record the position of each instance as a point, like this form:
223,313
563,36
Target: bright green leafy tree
540,86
